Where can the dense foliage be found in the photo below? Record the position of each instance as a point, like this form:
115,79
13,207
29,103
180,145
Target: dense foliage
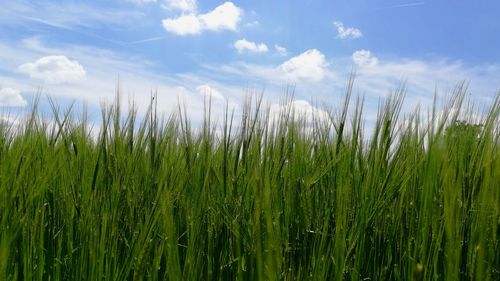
153,199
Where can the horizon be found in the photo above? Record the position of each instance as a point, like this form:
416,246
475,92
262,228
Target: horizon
187,50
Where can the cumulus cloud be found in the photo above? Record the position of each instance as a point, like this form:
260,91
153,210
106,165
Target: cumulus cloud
182,5
282,51
347,32
183,25
209,92
310,65
364,58
11,97
54,69
223,17
244,45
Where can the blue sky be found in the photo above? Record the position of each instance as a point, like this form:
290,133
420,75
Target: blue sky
188,49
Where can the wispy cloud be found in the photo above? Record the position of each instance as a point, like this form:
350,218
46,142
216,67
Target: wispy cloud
412,4
316,76
152,39
78,18
74,29
104,69
141,2
322,78
66,15
87,32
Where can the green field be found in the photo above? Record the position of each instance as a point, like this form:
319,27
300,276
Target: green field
416,197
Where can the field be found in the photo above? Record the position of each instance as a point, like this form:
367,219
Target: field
415,198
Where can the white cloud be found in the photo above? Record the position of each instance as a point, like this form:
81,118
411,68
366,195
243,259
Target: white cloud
183,25
364,58
244,45
182,5
282,51
208,91
422,78
309,65
11,97
301,110
347,32
223,17
136,76
54,69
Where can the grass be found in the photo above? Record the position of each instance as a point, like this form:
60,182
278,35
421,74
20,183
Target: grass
154,199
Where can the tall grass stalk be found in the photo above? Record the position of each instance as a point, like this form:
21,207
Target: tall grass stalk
418,198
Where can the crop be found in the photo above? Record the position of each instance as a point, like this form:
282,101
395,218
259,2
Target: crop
152,198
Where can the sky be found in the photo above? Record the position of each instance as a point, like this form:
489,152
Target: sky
185,51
